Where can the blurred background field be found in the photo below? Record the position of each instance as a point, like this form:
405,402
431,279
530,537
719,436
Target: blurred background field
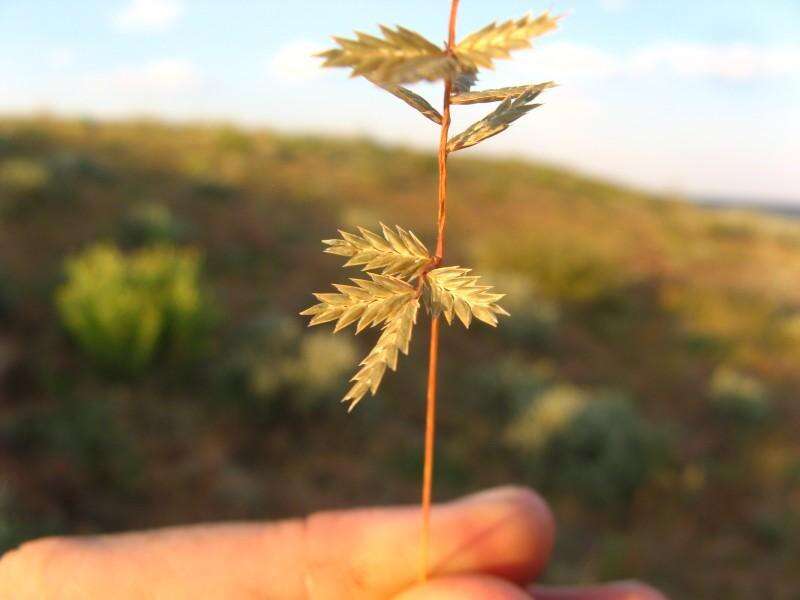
153,369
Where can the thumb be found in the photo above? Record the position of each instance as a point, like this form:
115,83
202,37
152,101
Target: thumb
466,587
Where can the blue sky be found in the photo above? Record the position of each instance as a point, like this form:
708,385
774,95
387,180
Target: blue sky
693,97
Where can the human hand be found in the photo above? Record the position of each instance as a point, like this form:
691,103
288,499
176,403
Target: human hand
489,546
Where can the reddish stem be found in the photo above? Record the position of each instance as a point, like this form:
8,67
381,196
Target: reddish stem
441,221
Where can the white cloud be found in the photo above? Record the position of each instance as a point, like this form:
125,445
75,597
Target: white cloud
570,62
60,58
567,61
170,87
149,15
294,62
739,62
165,76
733,62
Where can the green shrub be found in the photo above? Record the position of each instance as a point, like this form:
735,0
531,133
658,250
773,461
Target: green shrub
230,139
278,368
549,414
211,190
735,226
6,145
124,310
68,168
504,386
20,180
565,269
54,177
773,529
534,319
738,398
597,447
20,176
150,223
88,434
20,521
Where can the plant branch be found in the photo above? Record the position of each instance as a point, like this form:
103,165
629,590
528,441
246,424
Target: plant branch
441,222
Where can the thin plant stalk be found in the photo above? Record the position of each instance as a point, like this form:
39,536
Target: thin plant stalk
394,258
441,222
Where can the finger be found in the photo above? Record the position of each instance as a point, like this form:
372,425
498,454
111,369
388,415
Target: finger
465,587
358,554
624,590
506,532
180,563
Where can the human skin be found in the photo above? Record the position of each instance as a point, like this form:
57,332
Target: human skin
489,545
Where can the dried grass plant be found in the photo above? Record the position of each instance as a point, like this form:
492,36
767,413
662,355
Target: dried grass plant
403,273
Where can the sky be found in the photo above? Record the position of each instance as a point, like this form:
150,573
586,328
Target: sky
685,97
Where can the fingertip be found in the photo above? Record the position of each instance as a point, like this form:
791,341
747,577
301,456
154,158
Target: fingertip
465,588
506,532
513,522
524,498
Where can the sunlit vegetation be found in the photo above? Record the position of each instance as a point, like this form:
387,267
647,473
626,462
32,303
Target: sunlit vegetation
646,379
125,311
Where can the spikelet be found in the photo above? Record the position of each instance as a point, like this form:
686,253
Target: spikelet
494,41
399,252
508,111
370,302
414,101
394,339
453,292
497,95
401,56
390,298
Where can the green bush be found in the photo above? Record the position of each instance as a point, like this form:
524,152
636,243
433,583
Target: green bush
230,139
6,145
123,310
278,367
88,434
734,225
67,166
150,223
534,319
20,176
20,521
738,398
504,387
594,446
20,180
564,269
549,414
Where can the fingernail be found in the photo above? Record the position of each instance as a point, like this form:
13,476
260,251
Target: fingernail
490,495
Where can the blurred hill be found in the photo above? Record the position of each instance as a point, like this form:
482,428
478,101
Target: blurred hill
645,382
787,208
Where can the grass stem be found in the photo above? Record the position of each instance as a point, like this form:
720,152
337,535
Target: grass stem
441,221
